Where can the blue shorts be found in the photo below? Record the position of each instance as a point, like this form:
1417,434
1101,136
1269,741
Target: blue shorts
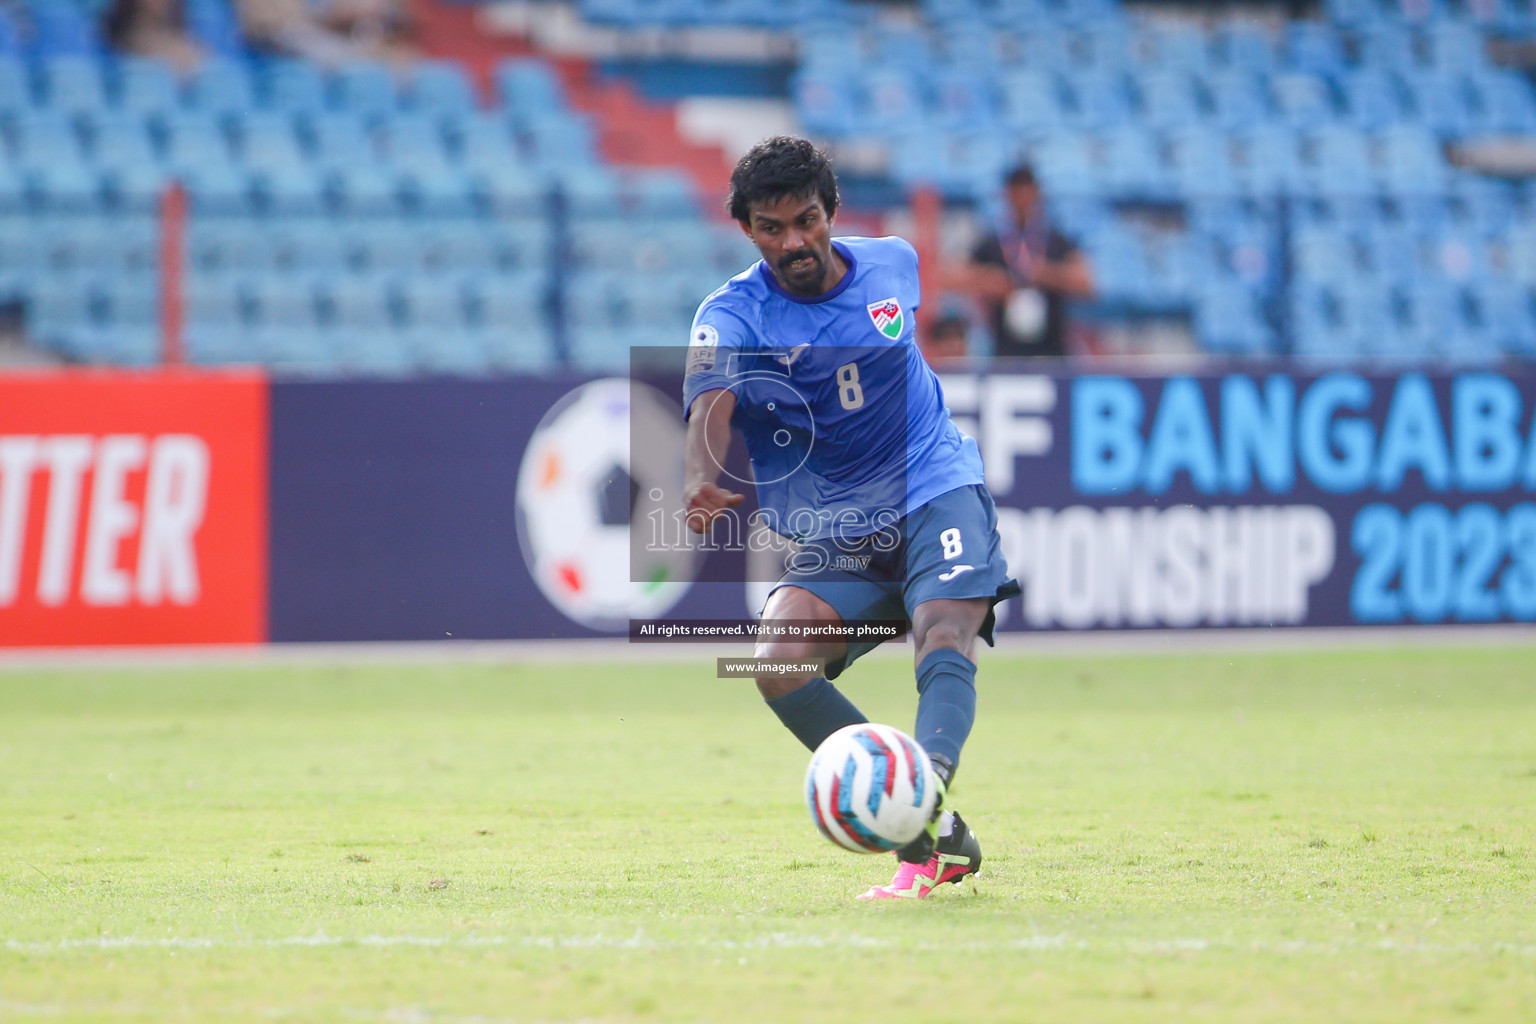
948,548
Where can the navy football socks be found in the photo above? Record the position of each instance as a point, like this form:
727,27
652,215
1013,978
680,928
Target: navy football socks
946,704
815,711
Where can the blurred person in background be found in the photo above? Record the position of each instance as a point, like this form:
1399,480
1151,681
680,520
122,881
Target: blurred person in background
946,341
1025,274
332,33
152,28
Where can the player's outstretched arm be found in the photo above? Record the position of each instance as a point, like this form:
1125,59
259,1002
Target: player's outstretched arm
704,450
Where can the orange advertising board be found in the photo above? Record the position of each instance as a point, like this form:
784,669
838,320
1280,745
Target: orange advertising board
133,508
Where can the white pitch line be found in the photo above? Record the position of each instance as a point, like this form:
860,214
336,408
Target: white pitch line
612,650
776,940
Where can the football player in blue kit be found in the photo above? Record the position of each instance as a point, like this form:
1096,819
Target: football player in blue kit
810,354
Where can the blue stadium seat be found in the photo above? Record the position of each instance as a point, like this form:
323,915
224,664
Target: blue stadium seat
294,189
213,300
309,245
1387,46
962,99
1302,99
282,300
1412,162
1101,99
229,245
1106,47
825,102
1042,46
221,86
1372,99
339,140
213,24
1065,165
295,351
1323,254
1238,99
508,302
358,301
891,99
413,141
365,190
375,351
1270,162
1201,164
1174,46
46,137
147,86
63,30
511,190
219,344
1441,101
439,191
559,142
1241,44
195,142
1314,47
1455,46
120,139
1340,164
1503,102
294,86
432,301
456,245
440,87
1503,310
456,352
1133,168
528,85
66,186
382,244
1032,100
218,188
267,140
135,186
1169,99
366,88
10,35
15,85
518,348
481,141
1393,252
1227,320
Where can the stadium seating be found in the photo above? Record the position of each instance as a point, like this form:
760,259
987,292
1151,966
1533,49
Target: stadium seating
1286,184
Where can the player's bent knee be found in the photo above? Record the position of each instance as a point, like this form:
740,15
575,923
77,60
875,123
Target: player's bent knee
772,687
946,636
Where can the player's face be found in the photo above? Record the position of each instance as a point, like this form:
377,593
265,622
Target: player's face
794,235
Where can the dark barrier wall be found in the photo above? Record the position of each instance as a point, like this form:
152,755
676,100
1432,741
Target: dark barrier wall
1127,502
169,508
394,515
1280,499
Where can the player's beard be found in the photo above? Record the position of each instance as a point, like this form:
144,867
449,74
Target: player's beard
807,280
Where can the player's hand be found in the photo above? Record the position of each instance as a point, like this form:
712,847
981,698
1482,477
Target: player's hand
706,502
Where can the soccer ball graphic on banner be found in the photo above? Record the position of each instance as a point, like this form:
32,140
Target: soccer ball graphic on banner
870,788
581,485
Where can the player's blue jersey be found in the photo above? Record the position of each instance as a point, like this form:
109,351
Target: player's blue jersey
844,422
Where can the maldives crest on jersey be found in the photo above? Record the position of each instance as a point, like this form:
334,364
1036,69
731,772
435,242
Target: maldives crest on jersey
887,317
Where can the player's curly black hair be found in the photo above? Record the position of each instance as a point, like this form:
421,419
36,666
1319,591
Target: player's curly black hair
781,166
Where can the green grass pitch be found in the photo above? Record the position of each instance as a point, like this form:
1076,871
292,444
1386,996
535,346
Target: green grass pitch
1343,836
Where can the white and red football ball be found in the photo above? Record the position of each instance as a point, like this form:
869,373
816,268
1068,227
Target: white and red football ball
870,788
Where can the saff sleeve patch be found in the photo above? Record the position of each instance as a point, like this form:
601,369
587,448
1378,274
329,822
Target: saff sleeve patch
702,346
